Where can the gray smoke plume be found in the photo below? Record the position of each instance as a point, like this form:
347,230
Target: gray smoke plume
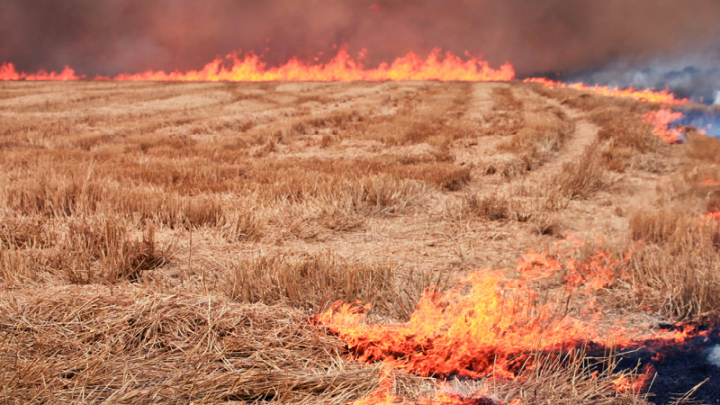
690,75
714,356
114,36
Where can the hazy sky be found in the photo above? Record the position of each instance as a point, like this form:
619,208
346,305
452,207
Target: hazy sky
113,36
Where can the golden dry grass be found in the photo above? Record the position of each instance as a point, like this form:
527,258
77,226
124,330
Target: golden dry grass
168,243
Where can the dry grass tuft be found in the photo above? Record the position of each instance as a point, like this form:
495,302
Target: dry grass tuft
574,378
318,280
23,232
680,285
536,142
448,177
625,129
668,225
507,116
675,272
582,178
20,267
104,252
520,204
382,195
701,147
243,226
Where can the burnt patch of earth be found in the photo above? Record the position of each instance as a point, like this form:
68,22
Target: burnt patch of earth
682,367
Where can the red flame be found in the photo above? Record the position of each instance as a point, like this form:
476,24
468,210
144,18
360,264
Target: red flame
663,97
487,331
661,120
438,66
383,396
712,218
635,384
8,72
490,325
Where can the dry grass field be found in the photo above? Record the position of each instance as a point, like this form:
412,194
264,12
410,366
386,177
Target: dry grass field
172,243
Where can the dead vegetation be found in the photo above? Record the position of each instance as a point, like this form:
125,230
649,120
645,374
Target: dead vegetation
317,280
508,115
169,243
122,347
582,178
628,141
577,378
674,271
542,136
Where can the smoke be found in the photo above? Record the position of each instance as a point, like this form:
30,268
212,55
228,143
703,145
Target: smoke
114,36
714,356
692,75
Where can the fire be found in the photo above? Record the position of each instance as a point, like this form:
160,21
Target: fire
661,120
488,331
491,325
635,384
439,399
712,218
382,395
662,97
437,66
8,72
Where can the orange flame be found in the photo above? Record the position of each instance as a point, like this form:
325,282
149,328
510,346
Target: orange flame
635,384
438,66
8,72
661,120
490,325
383,396
712,218
661,97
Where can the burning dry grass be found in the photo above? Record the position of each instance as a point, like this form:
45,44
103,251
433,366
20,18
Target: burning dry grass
577,378
451,335
573,378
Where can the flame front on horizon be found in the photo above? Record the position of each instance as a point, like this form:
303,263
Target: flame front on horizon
437,66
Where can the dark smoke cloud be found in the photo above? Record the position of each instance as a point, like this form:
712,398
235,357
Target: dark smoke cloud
112,36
